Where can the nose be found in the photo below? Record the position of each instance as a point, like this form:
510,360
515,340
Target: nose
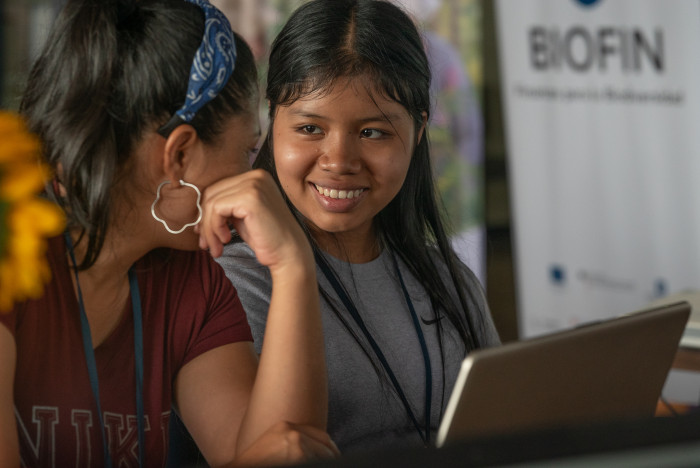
341,155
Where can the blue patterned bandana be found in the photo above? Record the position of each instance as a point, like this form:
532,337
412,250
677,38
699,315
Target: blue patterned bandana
212,65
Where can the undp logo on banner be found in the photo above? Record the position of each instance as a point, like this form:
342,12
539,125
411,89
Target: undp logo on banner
587,3
557,275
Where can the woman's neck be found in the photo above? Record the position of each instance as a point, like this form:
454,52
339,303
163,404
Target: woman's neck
104,286
349,247
115,258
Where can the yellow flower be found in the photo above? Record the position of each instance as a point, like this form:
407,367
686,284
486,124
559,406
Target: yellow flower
26,219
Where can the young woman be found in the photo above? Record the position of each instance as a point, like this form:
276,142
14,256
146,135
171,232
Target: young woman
348,87
142,105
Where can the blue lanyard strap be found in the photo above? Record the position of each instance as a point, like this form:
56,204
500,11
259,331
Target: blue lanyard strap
423,347
350,306
138,360
92,363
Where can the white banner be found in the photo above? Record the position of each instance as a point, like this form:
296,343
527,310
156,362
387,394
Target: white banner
602,105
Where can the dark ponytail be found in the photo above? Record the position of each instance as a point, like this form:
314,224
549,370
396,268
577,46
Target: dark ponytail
67,91
111,70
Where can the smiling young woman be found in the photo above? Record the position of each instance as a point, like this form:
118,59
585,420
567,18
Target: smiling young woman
340,168
348,86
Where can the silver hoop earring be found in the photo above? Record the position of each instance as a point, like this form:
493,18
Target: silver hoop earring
199,207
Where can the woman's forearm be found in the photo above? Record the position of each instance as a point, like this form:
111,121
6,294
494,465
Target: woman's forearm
291,380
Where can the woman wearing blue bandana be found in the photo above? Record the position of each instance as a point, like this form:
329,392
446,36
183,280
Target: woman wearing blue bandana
146,111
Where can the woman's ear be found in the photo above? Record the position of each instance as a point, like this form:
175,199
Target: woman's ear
421,130
178,151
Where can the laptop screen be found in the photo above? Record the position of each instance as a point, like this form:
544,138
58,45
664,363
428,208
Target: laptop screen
608,370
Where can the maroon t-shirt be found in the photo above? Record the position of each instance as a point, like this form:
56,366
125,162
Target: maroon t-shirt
189,307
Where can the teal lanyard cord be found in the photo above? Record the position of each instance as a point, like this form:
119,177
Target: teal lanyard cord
350,306
92,363
424,350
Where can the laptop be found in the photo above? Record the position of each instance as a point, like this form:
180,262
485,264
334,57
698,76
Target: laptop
691,337
603,371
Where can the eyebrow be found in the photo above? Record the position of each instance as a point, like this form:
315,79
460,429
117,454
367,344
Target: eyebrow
388,117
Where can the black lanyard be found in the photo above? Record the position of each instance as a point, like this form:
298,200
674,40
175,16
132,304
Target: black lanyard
350,306
92,364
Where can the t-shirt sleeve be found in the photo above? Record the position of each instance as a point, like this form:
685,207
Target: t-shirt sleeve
253,283
224,320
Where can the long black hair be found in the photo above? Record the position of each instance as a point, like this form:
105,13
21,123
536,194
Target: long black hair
325,40
111,70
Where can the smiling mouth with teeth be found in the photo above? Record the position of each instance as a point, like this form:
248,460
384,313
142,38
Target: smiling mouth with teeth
341,194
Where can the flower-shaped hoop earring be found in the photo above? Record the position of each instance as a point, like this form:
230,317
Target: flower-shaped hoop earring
199,207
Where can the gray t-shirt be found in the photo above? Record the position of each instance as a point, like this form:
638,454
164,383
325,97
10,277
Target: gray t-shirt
365,412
